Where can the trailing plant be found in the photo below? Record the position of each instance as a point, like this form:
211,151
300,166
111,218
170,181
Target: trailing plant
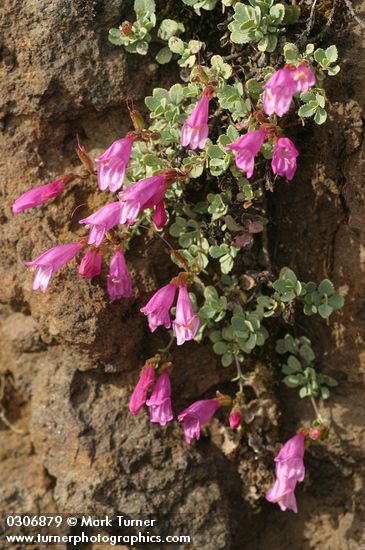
197,177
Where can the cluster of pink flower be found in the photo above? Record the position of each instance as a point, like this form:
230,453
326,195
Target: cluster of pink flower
186,323
289,462
278,95
146,193
150,193
159,403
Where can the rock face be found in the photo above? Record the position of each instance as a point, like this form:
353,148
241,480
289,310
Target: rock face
69,358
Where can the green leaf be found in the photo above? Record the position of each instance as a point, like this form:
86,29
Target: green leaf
306,352
164,56
215,152
304,392
195,46
291,53
280,346
227,359
332,54
218,251
215,336
292,14
169,28
307,110
176,94
210,294
115,37
142,47
320,56
146,6
254,88
321,100
309,309
294,364
207,312
326,287
226,262
325,310
176,45
329,380
336,301
321,116
332,71
220,348
325,392
278,12
267,43
290,344
292,381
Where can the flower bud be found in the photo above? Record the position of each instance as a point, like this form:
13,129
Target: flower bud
90,265
137,119
315,433
234,419
126,28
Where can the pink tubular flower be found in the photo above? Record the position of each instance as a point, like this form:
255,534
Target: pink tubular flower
246,148
158,307
304,78
284,160
39,195
196,415
186,323
234,419
139,395
113,162
119,282
283,85
102,221
146,193
289,470
51,261
160,401
195,129
90,265
279,91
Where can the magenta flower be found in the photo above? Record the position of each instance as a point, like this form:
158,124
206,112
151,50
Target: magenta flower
186,323
284,160
245,148
195,129
279,91
234,419
113,162
159,217
283,85
146,193
39,195
196,415
160,401
289,470
102,221
139,395
304,78
51,261
158,307
90,265
119,282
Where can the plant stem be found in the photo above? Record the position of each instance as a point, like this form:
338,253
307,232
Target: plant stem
315,408
167,348
239,373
